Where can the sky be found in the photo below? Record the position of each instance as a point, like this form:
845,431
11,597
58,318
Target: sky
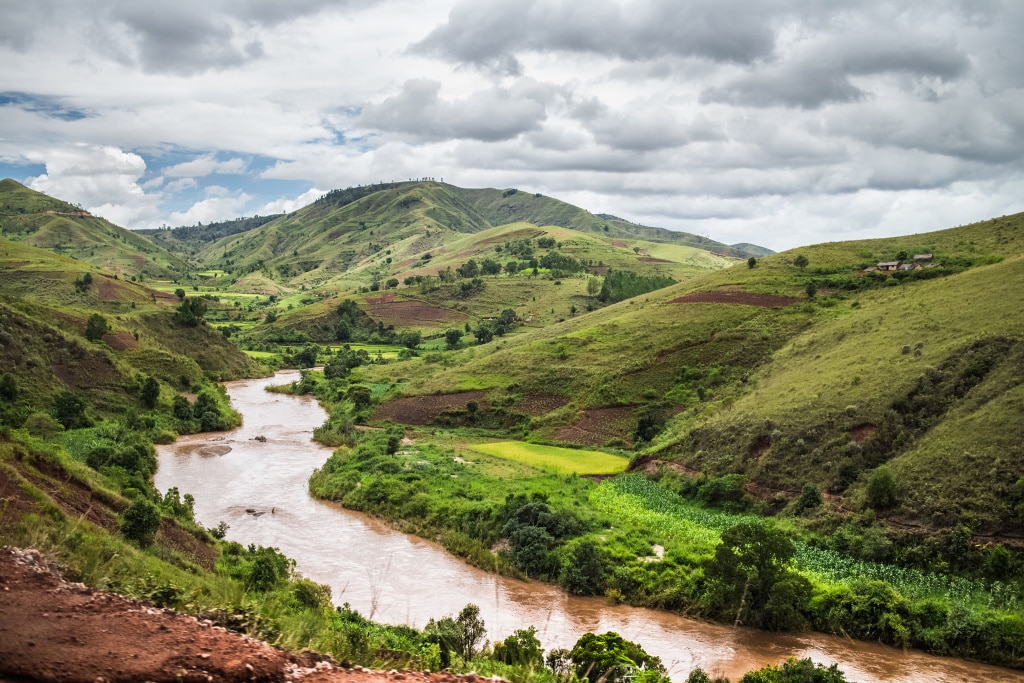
775,122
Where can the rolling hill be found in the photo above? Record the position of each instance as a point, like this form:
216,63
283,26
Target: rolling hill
41,221
796,374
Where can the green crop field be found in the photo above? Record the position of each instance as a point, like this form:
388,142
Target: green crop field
555,459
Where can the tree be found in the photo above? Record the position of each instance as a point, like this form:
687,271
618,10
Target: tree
96,327
410,340
360,396
391,283
180,293
140,522
811,289
150,392
881,489
752,262
801,261
583,570
610,658
520,649
483,334
452,338
744,573
8,387
191,311
69,410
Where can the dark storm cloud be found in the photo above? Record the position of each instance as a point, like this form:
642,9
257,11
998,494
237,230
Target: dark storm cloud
488,115
820,72
490,32
177,36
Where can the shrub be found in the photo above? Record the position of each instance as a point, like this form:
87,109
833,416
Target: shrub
96,327
881,489
140,522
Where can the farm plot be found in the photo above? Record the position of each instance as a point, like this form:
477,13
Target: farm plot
734,297
555,459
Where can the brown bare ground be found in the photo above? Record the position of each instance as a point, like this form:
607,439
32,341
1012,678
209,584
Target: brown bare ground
421,410
735,297
651,259
411,313
120,341
52,630
597,426
536,405
863,432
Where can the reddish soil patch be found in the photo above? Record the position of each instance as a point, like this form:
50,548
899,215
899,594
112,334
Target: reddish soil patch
597,426
540,404
758,446
139,260
599,270
732,297
651,259
171,296
173,536
620,244
73,497
410,313
421,410
406,262
53,630
120,341
106,290
863,432
384,298
14,265
471,252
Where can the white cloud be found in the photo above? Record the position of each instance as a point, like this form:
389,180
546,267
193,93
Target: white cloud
206,165
215,208
289,205
768,120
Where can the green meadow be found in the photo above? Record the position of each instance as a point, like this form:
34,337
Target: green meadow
556,459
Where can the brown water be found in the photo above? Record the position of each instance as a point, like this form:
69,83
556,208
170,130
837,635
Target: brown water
401,579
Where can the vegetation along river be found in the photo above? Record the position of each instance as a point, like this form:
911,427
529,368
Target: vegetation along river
259,488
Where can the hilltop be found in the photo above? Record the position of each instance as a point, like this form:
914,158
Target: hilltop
41,221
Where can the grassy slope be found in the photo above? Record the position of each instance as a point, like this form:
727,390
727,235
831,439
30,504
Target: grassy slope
45,316
810,371
94,240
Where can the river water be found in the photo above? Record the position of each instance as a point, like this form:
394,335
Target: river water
259,489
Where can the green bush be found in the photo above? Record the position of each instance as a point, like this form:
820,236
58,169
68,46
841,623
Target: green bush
139,522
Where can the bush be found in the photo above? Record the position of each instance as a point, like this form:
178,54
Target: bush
140,522
96,327
881,489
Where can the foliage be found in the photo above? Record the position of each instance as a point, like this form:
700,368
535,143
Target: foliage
69,408
140,522
610,658
624,284
190,311
522,649
795,670
96,327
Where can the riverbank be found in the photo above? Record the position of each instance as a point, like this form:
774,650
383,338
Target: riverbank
407,580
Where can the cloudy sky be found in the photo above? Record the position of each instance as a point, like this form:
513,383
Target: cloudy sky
778,122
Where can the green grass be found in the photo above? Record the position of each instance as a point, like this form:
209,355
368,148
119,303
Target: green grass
556,459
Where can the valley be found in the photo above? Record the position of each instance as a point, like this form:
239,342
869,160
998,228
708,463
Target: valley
798,442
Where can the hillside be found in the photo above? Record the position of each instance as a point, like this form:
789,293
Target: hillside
740,371
47,304
40,221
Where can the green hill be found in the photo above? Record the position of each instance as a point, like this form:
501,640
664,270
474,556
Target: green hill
41,221
47,303
740,371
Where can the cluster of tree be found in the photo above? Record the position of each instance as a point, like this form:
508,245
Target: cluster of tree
354,325
625,284
211,412
190,311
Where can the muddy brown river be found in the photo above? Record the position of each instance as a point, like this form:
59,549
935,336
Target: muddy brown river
259,489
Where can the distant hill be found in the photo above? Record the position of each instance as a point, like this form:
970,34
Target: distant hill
192,237
42,221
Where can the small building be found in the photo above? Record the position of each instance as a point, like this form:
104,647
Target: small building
922,258
871,269
888,265
909,266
